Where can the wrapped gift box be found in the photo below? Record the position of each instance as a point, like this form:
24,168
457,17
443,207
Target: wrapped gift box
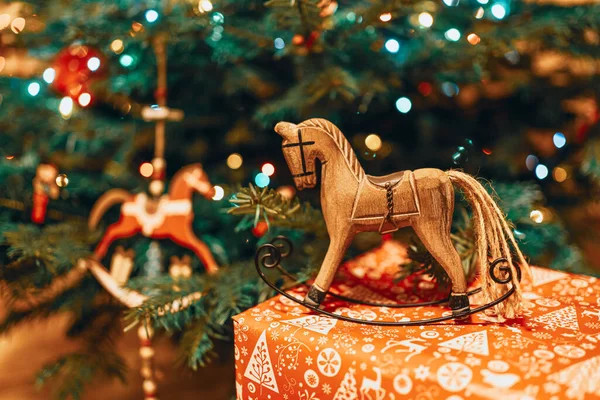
285,351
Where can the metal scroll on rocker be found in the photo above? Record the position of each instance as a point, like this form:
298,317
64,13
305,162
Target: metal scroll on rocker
271,254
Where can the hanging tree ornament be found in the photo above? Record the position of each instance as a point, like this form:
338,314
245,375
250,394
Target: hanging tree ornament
76,69
354,202
169,216
44,188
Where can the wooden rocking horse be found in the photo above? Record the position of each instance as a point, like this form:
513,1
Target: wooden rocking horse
353,202
169,216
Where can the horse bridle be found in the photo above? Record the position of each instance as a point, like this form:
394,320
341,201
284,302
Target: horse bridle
301,145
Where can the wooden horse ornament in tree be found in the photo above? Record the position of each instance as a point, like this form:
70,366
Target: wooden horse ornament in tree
354,202
170,216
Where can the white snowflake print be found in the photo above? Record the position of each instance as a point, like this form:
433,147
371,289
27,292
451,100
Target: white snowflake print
542,335
421,372
274,336
473,361
326,388
322,340
309,360
363,366
551,387
244,351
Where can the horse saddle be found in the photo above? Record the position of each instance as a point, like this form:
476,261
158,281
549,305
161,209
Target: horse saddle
387,180
386,199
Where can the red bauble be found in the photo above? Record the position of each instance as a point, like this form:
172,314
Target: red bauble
76,68
260,229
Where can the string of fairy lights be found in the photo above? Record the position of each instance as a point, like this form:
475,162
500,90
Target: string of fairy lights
424,20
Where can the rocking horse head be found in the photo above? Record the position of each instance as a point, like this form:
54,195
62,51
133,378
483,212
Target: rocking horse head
191,177
300,153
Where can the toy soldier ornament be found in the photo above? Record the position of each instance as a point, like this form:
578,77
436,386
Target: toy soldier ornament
354,202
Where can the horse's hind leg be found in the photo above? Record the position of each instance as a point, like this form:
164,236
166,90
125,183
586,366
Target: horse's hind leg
434,232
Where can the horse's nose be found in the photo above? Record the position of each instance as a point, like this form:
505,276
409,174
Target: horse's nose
284,128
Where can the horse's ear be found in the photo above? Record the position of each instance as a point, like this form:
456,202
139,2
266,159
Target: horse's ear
285,129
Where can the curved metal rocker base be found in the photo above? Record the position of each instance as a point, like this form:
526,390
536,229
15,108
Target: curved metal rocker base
270,255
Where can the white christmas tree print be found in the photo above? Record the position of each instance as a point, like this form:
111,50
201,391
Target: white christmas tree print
315,323
541,276
581,378
476,343
260,369
347,389
565,318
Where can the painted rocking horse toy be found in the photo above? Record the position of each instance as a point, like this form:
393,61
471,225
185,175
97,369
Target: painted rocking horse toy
354,202
169,216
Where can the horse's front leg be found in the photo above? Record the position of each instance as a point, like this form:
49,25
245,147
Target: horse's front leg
337,248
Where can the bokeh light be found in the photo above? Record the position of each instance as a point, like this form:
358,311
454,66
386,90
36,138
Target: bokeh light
498,11
84,99
146,170
559,140
279,43
17,25
452,35
385,17
151,16
451,3
541,171
479,13
373,142
235,161
126,60
531,162
65,107
536,216
559,174
403,104
268,169
425,19
219,193
473,39
117,46
205,6
49,75
392,45
93,63
33,89
262,180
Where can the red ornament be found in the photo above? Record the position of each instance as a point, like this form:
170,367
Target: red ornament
76,68
312,38
260,229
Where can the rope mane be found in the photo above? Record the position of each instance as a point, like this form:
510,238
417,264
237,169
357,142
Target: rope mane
340,140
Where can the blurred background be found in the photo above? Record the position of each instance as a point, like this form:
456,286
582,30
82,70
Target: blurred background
97,95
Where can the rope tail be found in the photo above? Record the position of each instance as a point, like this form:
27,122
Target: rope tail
494,238
106,201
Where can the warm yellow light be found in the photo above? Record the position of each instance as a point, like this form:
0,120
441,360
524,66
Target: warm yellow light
4,21
234,161
65,107
205,6
536,216
268,169
473,38
385,17
373,142
17,25
117,46
425,19
84,99
560,174
146,170
219,193
479,13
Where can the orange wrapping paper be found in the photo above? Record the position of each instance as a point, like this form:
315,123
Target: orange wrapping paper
284,351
